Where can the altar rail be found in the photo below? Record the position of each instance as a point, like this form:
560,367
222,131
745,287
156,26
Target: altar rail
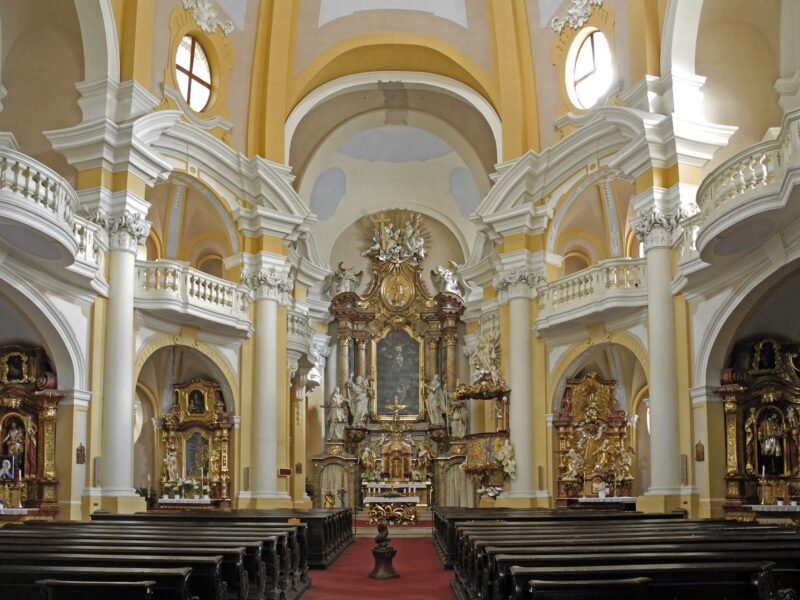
174,286
611,283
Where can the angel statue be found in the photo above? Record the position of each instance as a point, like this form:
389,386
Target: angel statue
485,358
413,243
574,463
446,280
342,280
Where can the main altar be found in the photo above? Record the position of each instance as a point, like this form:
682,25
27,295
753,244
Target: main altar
392,416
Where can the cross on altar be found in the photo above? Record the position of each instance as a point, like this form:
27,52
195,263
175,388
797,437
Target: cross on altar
381,221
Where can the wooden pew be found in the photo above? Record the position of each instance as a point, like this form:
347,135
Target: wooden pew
59,589
289,575
329,530
591,589
232,569
446,518
256,556
505,584
18,582
750,580
205,581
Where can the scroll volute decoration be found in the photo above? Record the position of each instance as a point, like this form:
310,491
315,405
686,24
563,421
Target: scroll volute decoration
195,438
28,401
761,391
592,441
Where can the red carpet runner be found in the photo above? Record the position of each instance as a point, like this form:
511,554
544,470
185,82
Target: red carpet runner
419,567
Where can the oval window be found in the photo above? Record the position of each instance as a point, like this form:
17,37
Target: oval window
592,71
193,73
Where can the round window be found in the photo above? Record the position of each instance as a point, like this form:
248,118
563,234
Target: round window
193,73
590,73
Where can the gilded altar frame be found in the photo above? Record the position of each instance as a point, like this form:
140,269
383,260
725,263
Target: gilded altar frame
761,401
592,441
28,398
198,408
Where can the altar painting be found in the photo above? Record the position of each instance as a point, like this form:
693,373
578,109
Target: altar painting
397,373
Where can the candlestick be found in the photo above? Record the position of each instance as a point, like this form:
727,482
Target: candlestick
763,470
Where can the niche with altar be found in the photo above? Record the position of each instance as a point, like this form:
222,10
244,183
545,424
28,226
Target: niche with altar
594,458
195,440
761,391
28,400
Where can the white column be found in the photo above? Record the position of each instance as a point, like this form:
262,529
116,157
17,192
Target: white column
126,233
270,287
656,229
517,284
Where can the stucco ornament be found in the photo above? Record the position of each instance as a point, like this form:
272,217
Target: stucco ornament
577,15
205,15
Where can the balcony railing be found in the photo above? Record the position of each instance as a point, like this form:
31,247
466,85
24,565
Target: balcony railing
749,182
36,196
173,286
618,282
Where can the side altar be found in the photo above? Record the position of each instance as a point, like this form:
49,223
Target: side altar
392,411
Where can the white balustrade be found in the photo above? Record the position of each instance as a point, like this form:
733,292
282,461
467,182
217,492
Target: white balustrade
614,278
175,282
753,173
86,234
37,184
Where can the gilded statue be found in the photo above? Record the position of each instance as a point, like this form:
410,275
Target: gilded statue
793,429
30,446
750,444
602,457
368,458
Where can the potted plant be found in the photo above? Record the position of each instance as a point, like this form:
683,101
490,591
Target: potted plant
206,491
779,500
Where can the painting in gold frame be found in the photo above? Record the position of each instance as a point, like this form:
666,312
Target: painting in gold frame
398,369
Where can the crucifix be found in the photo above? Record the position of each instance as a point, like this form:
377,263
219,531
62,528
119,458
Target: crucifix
381,221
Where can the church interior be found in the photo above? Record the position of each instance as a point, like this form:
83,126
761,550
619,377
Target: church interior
508,283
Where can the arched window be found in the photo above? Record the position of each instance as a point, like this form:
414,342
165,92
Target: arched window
193,73
591,73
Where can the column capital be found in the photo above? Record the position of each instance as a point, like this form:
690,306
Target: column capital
126,231
269,284
517,283
658,228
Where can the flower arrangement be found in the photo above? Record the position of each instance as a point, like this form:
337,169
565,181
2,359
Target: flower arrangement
205,489
492,491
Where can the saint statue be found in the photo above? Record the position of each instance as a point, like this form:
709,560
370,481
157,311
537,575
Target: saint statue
436,402
574,463
602,457
368,458
458,418
423,459
14,443
505,456
359,400
337,417
171,463
485,358
770,436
